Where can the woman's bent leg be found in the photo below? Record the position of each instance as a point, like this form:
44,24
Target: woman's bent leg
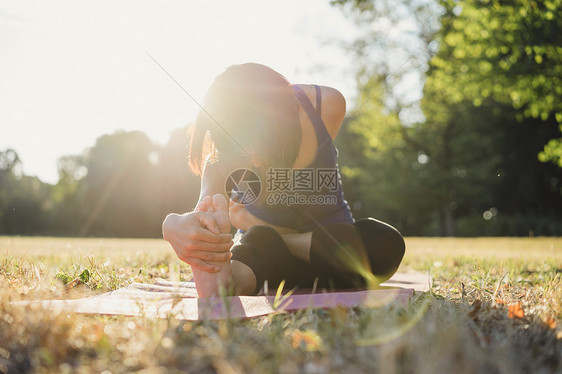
385,246
341,256
262,250
356,255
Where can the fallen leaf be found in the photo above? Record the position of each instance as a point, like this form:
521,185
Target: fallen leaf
312,341
297,338
73,283
550,323
515,311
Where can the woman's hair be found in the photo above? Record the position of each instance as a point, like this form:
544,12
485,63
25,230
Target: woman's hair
249,114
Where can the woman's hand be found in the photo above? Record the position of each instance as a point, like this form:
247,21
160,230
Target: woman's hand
197,239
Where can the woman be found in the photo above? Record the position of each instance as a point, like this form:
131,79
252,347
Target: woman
299,229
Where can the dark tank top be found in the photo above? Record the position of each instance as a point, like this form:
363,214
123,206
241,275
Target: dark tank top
302,199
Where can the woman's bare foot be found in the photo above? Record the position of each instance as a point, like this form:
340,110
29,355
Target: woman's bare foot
211,284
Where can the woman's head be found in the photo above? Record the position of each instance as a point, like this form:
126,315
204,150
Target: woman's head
251,113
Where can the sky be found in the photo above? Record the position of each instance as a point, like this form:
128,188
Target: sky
71,71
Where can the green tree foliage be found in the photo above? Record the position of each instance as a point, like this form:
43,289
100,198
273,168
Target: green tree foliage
477,174
131,183
123,186
23,200
508,51
469,166
116,191
178,188
493,54
67,210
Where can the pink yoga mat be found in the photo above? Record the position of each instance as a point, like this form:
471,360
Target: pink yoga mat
180,300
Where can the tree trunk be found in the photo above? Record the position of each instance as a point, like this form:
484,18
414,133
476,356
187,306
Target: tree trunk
447,223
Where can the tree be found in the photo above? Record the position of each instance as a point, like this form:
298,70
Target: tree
455,168
420,176
23,199
123,186
10,163
178,187
67,211
130,184
508,51
493,54
117,192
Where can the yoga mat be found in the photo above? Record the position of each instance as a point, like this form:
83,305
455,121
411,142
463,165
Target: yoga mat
180,300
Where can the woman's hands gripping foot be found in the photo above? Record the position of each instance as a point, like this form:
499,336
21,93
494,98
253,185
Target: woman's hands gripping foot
210,284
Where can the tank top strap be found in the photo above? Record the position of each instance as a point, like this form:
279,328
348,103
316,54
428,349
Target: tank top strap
314,114
318,100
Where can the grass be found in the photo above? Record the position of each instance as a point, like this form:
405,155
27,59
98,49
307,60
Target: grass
495,307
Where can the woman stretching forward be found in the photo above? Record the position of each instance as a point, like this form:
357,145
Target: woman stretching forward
265,139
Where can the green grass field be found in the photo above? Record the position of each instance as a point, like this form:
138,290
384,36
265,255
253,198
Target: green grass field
495,307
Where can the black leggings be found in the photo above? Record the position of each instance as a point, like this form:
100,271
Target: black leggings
342,256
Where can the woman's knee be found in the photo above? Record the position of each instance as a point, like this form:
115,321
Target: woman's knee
384,244
337,247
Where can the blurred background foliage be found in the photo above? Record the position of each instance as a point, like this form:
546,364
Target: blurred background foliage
121,187
456,130
479,153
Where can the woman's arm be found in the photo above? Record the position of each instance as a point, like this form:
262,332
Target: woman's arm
202,239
